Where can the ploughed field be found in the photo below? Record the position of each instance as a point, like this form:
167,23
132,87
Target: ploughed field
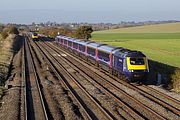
159,42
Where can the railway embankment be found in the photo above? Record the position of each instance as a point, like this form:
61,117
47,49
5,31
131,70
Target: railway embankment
165,75
8,49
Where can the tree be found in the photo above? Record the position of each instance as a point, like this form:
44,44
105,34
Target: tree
13,30
84,32
53,31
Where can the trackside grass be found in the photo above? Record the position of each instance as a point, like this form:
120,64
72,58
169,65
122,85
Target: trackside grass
132,36
1,92
5,55
158,28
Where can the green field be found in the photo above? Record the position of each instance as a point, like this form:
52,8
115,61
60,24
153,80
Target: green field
157,45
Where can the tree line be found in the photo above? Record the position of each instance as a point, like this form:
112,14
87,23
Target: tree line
83,32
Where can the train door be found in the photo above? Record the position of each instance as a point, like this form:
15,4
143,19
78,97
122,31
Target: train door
118,63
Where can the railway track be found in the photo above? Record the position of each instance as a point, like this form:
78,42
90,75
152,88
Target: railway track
22,113
149,113
153,98
171,100
34,102
164,100
91,108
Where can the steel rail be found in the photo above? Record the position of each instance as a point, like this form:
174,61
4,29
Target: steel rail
29,54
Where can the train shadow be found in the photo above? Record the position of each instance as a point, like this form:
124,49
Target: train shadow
161,74
46,39
17,44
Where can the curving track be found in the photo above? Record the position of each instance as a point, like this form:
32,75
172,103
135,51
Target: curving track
151,96
132,103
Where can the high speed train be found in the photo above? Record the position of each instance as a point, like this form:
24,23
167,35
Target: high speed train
34,36
117,60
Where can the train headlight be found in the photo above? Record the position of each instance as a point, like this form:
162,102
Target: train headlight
131,70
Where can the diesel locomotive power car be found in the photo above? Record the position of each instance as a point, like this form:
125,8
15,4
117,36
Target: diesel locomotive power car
34,36
117,60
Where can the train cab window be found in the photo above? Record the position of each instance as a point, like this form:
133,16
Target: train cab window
121,54
136,61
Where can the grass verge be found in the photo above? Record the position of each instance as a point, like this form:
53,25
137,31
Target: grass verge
1,92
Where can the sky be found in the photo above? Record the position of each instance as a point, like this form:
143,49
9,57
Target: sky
91,11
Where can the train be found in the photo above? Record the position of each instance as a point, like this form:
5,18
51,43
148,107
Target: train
34,36
119,61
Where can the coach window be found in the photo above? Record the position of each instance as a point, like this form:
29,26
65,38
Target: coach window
82,48
100,55
91,51
65,42
75,45
61,40
103,55
70,43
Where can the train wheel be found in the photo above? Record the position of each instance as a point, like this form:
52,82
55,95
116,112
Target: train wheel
119,75
97,65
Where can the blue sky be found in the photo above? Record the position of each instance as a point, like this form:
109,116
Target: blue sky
115,11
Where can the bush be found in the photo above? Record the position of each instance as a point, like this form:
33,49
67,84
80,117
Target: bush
4,34
84,32
53,31
13,30
176,80
1,92
170,75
